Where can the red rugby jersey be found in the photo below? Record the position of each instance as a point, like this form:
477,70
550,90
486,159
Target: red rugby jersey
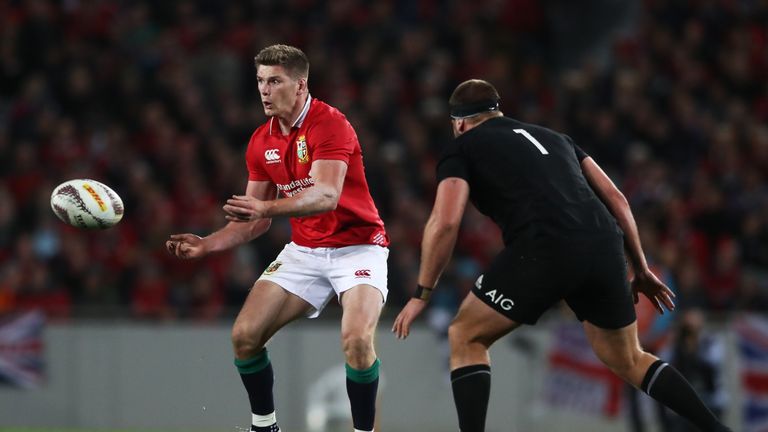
321,132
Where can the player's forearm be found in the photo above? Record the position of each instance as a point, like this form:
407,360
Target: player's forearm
314,200
234,234
436,250
620,209
617,204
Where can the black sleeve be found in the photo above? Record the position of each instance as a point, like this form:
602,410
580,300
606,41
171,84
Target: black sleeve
452,163
580,154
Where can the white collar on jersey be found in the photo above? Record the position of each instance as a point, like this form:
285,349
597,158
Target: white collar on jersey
300,119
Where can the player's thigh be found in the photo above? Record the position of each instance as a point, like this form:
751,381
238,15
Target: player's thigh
301,271
358,275
522,284
602,295
478,322
361,307
268,308
617,348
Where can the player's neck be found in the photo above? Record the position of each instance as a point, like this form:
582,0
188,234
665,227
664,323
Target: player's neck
287,123
477,122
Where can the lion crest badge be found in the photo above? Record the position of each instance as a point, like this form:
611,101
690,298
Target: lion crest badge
272,268
301,149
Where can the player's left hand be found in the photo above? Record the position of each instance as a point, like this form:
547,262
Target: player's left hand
657,292
244,208
402,326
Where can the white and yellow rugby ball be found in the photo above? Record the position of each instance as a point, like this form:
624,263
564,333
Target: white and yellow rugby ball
85,203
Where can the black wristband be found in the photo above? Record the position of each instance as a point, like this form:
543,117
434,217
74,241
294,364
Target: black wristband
422,293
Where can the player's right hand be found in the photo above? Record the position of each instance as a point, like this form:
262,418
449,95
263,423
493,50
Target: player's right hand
654,289
186,246
402,326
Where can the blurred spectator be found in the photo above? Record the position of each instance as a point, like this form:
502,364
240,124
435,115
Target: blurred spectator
754,292
724,279
241,275
150,294
10,283
152,97
699,356
197,298
690,289
98,296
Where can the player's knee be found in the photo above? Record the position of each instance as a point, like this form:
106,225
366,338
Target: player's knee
622,363
458,335
245,340
357,345
454,333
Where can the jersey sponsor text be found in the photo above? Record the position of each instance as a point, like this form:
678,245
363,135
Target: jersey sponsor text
295,186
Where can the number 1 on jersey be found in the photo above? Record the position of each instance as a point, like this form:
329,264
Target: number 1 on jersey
530,137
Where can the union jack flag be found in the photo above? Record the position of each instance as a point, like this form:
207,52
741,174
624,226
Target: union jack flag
21,350
752,334
576,379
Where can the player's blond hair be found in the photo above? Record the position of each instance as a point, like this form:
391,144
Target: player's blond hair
292,59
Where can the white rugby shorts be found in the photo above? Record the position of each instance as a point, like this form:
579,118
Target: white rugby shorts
315,274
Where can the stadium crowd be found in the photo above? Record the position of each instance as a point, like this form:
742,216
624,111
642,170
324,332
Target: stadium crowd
158,100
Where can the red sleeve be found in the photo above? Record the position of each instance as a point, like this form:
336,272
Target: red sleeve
256,170
333,139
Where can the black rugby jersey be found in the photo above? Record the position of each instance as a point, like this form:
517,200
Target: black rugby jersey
528,180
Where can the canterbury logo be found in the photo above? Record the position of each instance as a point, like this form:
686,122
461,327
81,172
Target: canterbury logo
363,273
272,155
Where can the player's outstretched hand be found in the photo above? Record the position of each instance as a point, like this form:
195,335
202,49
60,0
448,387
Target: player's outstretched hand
402,326
244,208
186,246
658,293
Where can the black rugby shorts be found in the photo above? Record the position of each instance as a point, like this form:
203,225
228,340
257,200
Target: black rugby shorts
523,285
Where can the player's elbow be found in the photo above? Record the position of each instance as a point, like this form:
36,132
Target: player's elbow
445,225
260,227
328,203
618,198
329,199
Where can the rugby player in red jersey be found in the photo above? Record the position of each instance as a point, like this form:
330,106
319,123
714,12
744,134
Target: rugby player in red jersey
305,163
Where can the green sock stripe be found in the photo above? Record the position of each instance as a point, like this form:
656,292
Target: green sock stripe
364,376
253,364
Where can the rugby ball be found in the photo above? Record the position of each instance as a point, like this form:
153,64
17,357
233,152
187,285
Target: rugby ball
86,203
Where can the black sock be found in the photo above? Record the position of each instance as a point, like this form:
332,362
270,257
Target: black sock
471,391
362,386
258,378
665,384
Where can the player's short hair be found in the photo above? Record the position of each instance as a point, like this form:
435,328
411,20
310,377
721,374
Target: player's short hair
473,97
292,59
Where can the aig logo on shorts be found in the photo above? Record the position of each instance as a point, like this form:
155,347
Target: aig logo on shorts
496,298
273,267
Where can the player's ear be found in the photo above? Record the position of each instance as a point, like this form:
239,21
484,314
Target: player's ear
459,126
302,86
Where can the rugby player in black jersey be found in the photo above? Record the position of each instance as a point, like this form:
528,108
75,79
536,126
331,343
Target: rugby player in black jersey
566,230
